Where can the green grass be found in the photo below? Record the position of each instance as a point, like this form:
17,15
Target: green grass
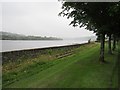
80,70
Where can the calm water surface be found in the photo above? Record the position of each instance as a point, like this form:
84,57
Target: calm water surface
12,45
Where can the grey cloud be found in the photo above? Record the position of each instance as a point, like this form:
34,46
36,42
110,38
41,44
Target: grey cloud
38,18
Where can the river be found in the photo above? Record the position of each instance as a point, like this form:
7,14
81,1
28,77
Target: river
13,45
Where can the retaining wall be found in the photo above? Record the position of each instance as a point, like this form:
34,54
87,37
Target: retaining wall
14,55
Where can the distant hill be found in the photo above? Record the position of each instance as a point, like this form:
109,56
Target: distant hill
13,36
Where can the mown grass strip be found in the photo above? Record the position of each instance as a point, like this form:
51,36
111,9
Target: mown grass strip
81,70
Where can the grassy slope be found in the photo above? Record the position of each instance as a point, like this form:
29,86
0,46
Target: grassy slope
81,70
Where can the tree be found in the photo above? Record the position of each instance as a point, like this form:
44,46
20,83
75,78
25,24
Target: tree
93,16
114,12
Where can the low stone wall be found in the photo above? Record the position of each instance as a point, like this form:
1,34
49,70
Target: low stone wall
15,55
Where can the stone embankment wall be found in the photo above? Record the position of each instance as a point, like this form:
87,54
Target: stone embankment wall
16,55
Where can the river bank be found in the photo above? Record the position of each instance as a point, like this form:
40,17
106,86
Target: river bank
16,45
79,69
22,59
14,55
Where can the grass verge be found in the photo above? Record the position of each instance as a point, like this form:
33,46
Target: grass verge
79,70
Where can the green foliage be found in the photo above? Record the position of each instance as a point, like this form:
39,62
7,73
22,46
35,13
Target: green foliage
95,16
101,18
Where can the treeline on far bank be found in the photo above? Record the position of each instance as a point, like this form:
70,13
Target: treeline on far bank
13,36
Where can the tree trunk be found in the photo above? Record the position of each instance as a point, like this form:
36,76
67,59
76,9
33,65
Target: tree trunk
102,41
114,43
109,45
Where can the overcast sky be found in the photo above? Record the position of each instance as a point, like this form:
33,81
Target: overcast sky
37,18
